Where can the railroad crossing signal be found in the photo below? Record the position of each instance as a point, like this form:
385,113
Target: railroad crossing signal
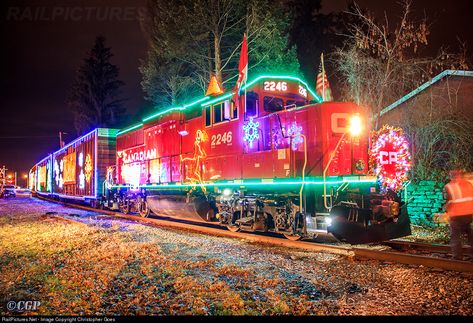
3,176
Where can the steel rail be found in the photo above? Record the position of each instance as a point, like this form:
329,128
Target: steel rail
352,252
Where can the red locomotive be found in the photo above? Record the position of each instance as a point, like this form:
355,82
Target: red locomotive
276,160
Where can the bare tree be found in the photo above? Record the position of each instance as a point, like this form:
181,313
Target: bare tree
441,130
381,62
189,40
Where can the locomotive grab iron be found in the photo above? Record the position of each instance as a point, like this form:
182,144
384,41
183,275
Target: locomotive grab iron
278,159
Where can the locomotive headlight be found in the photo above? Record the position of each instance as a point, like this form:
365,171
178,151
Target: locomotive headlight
328,221
355,125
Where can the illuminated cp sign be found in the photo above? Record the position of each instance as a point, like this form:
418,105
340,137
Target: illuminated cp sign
389,154
387,157
339,122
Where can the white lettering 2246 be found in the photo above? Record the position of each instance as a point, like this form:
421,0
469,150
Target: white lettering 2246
275,86
218,139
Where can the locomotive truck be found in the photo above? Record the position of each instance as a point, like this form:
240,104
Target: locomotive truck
275,158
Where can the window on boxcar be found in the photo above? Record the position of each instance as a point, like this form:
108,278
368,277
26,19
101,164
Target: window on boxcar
292,103
208,116
273,104
251,105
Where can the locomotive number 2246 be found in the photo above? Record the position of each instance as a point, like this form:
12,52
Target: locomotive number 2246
218,139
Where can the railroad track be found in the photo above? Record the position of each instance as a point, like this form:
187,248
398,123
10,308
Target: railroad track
403,253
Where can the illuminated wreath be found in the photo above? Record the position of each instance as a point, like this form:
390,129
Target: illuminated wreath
391,175
360,165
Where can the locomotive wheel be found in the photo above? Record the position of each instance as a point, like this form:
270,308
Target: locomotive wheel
293,237
233,228
125,207
144,209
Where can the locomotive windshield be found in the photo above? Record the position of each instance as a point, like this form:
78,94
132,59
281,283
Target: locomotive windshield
273,104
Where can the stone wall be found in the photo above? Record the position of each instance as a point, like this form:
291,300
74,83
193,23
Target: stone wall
425,198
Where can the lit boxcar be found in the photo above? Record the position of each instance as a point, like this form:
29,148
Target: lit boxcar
79,169
278,160
42,174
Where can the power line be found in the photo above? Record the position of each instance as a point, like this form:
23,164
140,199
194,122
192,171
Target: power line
23,137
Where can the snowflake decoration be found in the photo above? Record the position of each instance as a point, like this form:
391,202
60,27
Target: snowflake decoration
56,171
294,130
251,131
81,159
81,180
88,168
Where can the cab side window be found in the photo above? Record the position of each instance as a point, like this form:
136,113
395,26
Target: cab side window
220,112
208,116
251,105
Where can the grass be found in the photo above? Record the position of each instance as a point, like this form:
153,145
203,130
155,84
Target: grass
76,269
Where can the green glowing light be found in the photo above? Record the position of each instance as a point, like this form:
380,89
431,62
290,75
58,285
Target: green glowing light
180,108
255,183
121,132
217,99
284,77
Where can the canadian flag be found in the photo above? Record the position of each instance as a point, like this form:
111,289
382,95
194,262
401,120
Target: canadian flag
242,69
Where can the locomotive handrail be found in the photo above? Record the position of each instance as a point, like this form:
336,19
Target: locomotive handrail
326,169
354,129
303,168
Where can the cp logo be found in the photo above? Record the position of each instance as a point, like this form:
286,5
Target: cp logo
387,158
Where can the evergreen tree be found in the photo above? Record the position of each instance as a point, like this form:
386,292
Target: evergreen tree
94,97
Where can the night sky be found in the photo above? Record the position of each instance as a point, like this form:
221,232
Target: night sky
43,43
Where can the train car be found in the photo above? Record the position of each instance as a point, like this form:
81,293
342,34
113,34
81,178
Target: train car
275,159
79,169
43,176
32,179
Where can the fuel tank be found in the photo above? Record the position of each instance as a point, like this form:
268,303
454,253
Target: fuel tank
183,206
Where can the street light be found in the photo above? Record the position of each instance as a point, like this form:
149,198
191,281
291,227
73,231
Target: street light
355,128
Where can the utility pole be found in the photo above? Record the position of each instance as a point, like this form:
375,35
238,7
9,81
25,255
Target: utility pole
15,179
61,141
